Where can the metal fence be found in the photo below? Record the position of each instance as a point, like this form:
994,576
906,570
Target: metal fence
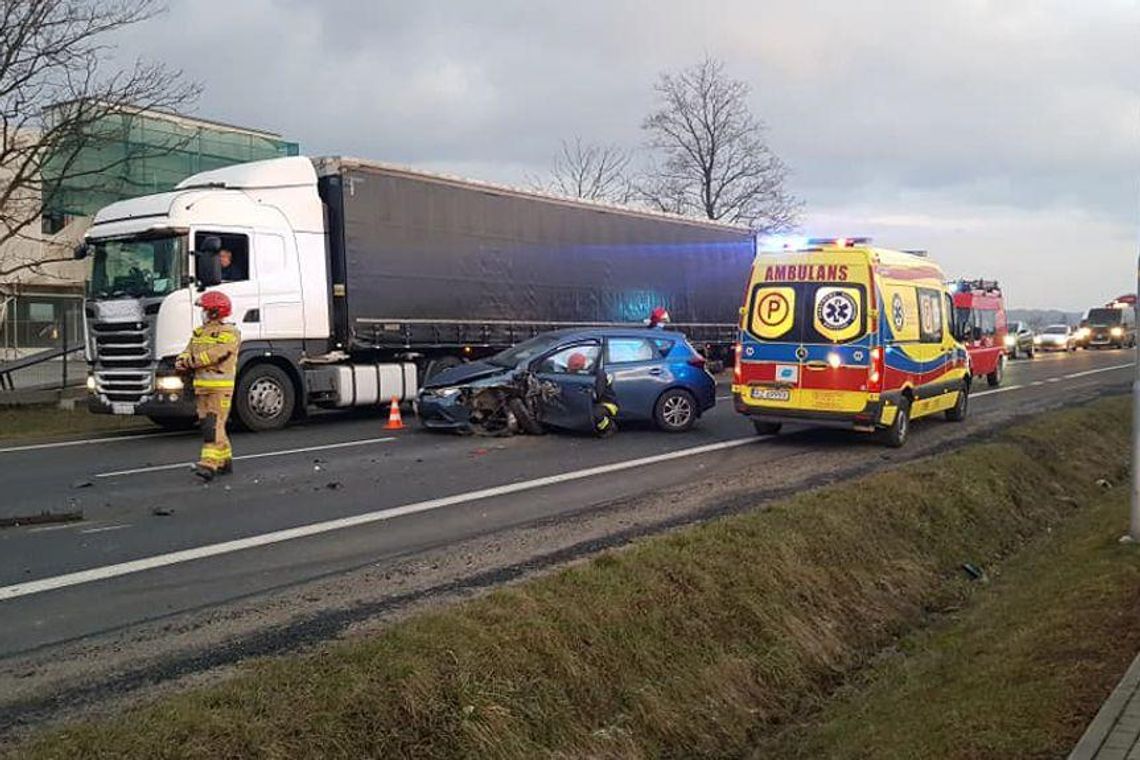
41,343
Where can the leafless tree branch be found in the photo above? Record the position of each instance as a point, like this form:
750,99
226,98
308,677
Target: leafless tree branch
593,171
60,97
709,154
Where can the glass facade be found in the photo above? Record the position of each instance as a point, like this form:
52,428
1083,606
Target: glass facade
132,155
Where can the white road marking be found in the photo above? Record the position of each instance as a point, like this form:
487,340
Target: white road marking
228,547
183,465
46,528
1003,389
105,529
89,441
1088,372
723,398
1054,380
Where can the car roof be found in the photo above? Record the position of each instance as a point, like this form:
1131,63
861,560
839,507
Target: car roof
613,332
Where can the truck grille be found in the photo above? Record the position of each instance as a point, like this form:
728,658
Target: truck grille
122,345
130,386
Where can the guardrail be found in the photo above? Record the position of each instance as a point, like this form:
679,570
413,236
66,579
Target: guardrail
53,368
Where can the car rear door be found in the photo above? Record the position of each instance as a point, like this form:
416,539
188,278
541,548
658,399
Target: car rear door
639,374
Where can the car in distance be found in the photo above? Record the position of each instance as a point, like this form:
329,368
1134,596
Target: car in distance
1057,338
1019,340
1112,326
657,376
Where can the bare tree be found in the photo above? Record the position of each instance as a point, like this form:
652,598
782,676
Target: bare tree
594,171
710,157
59,96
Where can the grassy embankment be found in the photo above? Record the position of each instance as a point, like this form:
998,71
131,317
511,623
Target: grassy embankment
734,636
48,421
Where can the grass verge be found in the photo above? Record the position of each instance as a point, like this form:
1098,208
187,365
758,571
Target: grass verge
46,421
705,642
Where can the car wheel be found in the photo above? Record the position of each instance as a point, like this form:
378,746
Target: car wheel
766,428
1013,353
995,377
1031,352
895,436
526,420
676,411
958,412
264,398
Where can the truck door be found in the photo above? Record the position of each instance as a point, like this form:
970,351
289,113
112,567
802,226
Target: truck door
572,407
239,280
282,314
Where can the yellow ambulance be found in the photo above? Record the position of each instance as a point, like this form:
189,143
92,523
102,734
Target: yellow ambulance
835,331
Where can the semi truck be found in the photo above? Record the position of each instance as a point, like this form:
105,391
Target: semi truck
354,281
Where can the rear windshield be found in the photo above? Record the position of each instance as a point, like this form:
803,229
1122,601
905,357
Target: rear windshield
1104,316
808,312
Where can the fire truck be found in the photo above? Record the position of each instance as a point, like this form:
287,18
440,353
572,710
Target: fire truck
980,316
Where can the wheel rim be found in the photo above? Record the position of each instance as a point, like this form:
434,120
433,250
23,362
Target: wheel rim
903,422
266,398
677,411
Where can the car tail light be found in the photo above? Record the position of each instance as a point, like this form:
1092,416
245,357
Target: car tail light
737,371
875,371
698,361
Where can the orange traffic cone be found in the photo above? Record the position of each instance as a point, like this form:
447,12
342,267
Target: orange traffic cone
395,422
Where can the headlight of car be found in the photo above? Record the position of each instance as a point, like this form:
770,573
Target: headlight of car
1010,340
1117,332
1037,340
445,392
1083,332
169,383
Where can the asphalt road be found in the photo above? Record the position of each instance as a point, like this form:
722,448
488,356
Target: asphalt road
340,492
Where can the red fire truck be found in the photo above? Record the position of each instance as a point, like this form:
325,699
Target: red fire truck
980,315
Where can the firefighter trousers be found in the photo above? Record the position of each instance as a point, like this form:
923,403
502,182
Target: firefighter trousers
213,411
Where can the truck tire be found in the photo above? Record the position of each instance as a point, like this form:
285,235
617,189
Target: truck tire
264,398
958,412
174,423
995,377
895,436
675,411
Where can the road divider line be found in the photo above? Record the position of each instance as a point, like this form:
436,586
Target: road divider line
89,441
1004,389
105,529
228,547
263,455
1088,372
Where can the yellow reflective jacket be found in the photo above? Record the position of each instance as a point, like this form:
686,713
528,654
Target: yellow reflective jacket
212,353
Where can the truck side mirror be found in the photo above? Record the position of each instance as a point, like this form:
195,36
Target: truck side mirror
207,266
82,251
977,332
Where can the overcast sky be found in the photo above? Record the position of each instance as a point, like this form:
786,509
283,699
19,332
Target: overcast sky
1004,137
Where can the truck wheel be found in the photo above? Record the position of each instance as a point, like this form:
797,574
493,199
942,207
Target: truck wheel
526,420
766,428
895,436
264,398
676,411
174,423
995,377
957,413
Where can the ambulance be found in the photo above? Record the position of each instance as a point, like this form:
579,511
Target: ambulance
835,331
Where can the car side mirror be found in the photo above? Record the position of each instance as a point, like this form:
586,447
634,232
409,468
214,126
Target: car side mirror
82,251
207,265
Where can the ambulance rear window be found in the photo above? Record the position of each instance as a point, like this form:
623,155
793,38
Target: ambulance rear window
808,312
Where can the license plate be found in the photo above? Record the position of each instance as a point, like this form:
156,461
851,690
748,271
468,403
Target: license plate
771,394
122,408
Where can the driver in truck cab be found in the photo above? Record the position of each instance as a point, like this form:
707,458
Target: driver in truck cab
211,356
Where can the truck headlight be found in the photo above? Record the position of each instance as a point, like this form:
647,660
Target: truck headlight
1083,332
1010,340
91,383
169,383
1117,332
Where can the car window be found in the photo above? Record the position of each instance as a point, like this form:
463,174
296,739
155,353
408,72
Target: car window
663,346
580,359
626,350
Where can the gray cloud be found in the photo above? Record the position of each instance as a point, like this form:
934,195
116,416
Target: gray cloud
973,124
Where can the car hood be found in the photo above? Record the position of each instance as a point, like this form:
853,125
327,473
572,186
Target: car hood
466,374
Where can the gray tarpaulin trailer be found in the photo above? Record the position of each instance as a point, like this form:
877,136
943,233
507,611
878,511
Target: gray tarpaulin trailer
433,264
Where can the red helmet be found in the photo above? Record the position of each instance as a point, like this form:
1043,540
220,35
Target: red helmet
576,362
658,315
217,305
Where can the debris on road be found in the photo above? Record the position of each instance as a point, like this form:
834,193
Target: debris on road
162,512
43,518
82,484
1102,483
976,573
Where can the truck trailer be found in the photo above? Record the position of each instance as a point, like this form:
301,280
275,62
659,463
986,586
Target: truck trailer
354,281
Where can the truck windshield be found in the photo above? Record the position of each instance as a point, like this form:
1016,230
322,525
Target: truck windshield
1104,316
137,267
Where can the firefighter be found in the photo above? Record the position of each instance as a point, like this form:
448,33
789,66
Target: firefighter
211,357
604,410
659,317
